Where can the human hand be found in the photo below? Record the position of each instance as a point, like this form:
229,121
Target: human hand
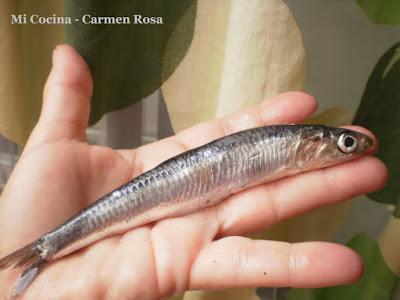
59,174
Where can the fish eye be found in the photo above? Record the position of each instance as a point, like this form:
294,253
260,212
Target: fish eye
347,143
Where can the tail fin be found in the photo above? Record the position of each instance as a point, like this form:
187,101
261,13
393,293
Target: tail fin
21,257
31,256
26,278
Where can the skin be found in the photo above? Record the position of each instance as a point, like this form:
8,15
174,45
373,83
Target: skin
58,174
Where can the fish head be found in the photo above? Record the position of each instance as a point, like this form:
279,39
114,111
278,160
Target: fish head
323,146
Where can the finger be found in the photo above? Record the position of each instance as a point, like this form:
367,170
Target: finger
66,99
285,108
259,207
242,262
292,107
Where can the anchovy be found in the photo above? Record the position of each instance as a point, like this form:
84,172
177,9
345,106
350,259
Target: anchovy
193,180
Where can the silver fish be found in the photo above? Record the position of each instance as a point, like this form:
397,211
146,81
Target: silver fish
191,181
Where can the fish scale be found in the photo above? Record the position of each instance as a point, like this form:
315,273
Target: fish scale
191,181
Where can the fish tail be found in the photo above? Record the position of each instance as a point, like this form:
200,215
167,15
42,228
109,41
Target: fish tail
22,257
27,277
30,257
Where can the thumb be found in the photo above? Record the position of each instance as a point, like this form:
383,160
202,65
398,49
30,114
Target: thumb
66,99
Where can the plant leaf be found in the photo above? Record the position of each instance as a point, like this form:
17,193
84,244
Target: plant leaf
382,11
129,62
242,53
377,283
379,111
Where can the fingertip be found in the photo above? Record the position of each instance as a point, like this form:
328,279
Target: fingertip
288,107
356,263
303,96
371,175
330,265
379,172
70,68
349,261
295,97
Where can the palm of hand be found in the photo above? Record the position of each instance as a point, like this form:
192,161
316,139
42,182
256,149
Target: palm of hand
64,177
83,174
59,174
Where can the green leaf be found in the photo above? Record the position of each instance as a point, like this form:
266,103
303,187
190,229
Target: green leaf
379,111
382,11
377,283
130,61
